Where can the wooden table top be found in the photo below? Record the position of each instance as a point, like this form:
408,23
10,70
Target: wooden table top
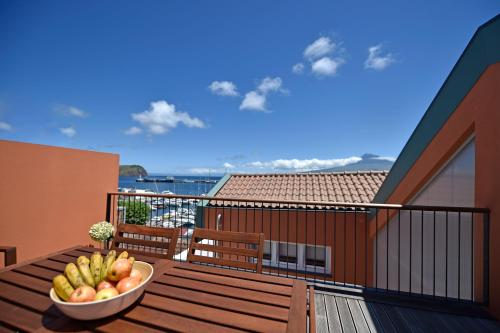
180,297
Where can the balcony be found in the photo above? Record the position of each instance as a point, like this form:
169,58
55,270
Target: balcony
374,267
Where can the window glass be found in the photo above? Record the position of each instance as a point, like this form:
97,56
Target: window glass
288,252
315,256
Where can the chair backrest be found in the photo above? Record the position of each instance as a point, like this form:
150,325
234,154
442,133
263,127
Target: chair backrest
136,239
226,248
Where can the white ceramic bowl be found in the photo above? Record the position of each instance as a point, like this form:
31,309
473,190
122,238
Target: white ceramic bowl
107,307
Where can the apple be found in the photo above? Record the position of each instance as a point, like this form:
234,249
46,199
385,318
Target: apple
82,294
127,284
104,285
120,269
106,293
136,274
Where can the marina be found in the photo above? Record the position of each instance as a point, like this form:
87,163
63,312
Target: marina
167,212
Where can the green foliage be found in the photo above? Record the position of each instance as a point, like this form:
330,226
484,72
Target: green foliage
136,212
132,170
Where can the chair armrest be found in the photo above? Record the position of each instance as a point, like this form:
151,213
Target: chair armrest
10,254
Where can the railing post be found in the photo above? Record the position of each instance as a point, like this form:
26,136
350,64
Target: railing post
486,256
108,207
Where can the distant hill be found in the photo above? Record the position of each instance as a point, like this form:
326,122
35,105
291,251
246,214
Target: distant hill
369,162
132,170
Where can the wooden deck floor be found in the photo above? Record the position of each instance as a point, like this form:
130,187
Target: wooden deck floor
337,312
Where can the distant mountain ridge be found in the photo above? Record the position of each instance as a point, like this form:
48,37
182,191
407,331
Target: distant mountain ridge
368,162
132,170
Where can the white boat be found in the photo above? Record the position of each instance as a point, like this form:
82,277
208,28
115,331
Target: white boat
167,192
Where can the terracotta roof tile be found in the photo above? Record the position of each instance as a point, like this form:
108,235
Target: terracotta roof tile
353,187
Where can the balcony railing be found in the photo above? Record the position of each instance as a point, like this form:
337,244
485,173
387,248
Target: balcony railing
432,252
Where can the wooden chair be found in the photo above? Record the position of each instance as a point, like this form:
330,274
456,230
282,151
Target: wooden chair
312,310
10,254
136,239
227,248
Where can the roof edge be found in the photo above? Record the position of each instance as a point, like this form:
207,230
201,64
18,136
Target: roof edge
477,56
371,172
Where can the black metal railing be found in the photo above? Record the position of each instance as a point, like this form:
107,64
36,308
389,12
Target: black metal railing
431,252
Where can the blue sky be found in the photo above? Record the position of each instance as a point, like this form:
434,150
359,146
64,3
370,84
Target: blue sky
249,86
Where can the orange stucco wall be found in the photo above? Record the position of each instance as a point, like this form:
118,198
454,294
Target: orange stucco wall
50,196
478,114
345,233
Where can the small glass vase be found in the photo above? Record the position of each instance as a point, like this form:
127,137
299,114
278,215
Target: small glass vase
104,244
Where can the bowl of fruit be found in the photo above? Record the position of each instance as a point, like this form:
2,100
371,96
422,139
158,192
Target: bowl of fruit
99,287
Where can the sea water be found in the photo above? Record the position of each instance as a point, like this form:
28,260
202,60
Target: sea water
186,188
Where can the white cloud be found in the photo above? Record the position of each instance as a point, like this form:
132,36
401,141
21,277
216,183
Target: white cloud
326,66
256,99
134,130
69,110
376,60
319,48
68,131
303,165
223,88
161,117
269,84
253,101
5,126
386,158
228,166
298,68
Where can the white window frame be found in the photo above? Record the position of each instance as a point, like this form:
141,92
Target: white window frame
301,258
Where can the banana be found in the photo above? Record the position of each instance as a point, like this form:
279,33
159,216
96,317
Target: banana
96,261
132,260
73,275
110,259
62,287
123,255
83,266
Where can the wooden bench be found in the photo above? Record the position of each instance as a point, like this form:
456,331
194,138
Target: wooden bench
10,253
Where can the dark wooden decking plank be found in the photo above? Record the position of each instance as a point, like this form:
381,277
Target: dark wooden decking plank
357,316
231,281
407,316
321,319
26,281
228,291
370,317
297,317
473,324
378,311
419,320
206,298
332,313
238,274
396,319
491,325
345,315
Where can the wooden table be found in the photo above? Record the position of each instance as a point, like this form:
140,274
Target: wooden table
181,297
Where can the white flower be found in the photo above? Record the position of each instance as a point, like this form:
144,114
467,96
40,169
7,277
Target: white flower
101,231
